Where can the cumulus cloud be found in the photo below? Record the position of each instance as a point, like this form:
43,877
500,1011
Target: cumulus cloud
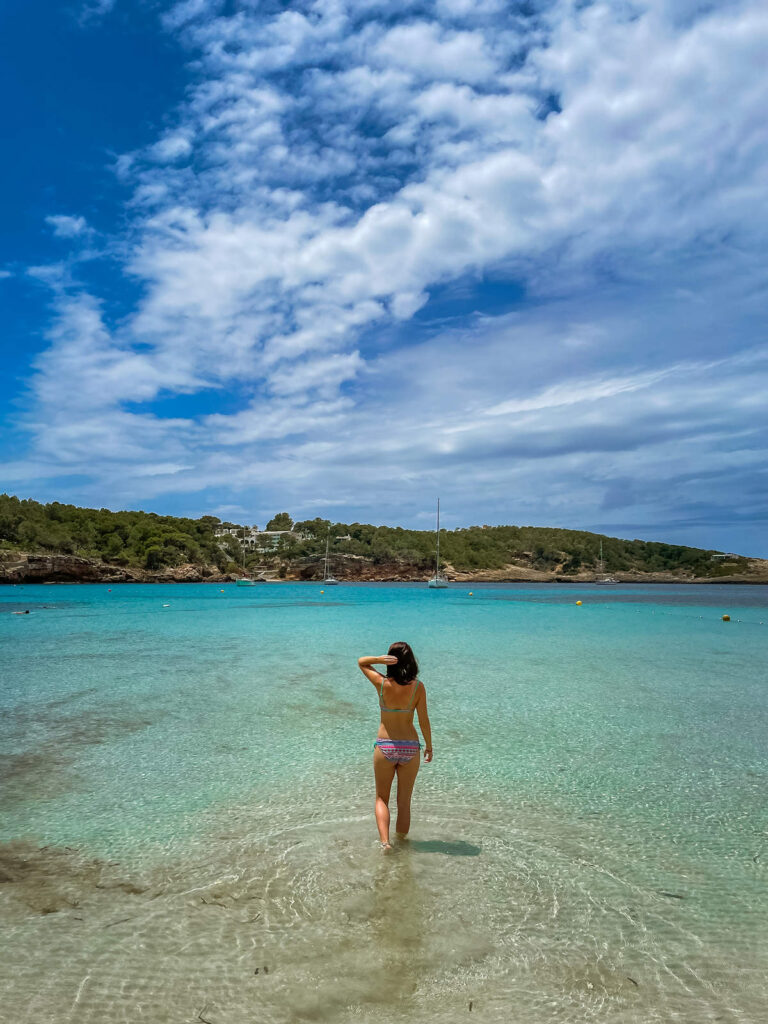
64,226
432,52
174,146
335,166
93,10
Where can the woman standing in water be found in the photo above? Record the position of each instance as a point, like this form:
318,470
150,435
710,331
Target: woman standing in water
396,750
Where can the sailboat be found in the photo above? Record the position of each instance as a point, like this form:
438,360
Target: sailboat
328,580
243,581
603,580
437,581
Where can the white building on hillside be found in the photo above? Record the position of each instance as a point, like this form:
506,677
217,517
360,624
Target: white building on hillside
269,539
252,536
246,535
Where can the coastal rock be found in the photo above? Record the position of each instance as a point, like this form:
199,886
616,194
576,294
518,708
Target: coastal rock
30,568
22,567
188,573
25,567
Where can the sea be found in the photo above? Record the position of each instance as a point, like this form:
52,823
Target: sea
186,806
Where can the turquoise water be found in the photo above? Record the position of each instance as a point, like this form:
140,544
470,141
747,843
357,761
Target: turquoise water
187,799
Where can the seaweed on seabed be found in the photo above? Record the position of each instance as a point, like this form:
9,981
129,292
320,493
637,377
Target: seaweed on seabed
50,879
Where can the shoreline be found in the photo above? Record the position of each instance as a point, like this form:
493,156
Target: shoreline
452,584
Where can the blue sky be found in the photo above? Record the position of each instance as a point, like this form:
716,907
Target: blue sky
339,258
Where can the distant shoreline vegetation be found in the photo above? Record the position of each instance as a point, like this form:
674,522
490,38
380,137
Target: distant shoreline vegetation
150,542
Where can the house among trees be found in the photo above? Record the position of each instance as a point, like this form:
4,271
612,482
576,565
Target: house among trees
269,539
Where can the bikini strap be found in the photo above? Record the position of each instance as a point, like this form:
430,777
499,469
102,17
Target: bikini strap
413,699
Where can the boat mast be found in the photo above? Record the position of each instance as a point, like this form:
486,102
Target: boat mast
327,542
437,556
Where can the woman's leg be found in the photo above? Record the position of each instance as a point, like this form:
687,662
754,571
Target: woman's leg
384,772
406,776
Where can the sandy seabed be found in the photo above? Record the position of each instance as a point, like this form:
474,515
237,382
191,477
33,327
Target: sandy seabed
308,921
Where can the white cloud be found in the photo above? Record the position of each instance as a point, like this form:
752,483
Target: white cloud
95,9
432,52
279,419
67,227
468,8
174,146
187,10
323,375
349,159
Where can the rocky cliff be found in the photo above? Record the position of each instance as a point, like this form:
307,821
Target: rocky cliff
354,568
20,567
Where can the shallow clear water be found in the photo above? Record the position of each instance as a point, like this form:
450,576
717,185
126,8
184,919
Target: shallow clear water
186,818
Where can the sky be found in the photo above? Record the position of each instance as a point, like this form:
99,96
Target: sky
339,258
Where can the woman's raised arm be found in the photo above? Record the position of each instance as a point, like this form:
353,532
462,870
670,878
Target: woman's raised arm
365,666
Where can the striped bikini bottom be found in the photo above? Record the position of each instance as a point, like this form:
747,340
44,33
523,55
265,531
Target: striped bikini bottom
399,751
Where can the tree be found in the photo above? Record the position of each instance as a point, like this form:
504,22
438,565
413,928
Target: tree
233,548
154,557
314,527
282,521
113,547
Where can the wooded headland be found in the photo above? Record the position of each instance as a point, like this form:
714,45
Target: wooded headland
57,542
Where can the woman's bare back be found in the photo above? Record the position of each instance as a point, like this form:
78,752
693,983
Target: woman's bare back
398,704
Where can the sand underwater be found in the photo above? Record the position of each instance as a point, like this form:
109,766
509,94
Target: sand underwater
186,827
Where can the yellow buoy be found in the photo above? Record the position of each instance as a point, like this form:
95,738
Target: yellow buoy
726,618
322,591
578,602
470,593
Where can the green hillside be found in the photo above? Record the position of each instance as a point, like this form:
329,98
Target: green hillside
494,547
122,538
150,541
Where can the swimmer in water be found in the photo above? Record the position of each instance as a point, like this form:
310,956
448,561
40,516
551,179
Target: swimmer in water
396,750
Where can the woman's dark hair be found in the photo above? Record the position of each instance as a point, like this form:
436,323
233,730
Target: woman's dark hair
407,668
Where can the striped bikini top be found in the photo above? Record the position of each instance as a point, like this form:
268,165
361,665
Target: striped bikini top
394,711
